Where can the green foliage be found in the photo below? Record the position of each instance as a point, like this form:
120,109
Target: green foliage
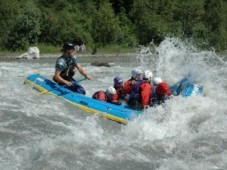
9,11
128,31
48,48
106,23
68,24
216,22
120,6
149,24
26,29
105,26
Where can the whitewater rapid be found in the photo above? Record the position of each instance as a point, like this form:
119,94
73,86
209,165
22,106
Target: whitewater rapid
44,132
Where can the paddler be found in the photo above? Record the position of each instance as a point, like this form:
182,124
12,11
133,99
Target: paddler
65,68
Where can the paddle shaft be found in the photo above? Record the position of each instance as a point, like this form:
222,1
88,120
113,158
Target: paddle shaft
77,81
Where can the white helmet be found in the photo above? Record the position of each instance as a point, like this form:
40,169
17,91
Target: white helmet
157,80
110,90
147,74
136,71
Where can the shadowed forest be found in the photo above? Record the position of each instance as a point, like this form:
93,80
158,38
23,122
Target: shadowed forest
97,23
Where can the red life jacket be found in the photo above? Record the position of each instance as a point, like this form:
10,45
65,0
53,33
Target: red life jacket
162,89
100,95
127,88
116,97
145,92
141,92
135,92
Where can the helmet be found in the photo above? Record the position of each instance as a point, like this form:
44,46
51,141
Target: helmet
136,71
157,80
118,80
68,46
147,74
110,90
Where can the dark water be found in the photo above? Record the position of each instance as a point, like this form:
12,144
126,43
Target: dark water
44,132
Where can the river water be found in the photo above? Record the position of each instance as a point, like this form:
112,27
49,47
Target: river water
44,132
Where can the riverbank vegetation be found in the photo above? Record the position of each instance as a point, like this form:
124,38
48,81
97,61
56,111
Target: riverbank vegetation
111,24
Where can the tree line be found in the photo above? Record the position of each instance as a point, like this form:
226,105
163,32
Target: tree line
104,22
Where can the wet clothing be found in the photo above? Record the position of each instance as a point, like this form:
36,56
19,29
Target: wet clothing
128,86
66,66
101,95
163,89
77,88
140,95
120,94
160,93
146,89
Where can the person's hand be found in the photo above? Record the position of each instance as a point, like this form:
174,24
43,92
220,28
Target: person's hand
88,77
133,82
69,83
127,97
145,107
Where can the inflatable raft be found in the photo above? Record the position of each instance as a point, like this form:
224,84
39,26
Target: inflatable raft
118,113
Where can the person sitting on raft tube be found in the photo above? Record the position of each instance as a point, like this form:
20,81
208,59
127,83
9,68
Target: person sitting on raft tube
160,91
65,69
118,85
141,92
136,75
106,96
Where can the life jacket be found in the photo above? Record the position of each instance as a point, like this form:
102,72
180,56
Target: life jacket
117,96
100,95
120,94
140,96
162,89
135,92
115,99
160,93
67,67
145,94
127,88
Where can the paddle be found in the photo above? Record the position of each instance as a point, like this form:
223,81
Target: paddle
77,81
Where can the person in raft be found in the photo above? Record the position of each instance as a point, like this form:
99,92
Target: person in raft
120,93
160,91
141,92
106,96
65,68
136,75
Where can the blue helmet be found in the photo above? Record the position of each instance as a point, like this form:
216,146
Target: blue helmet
118,80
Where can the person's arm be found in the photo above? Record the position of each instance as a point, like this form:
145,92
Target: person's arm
82,71
127,87
59,79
